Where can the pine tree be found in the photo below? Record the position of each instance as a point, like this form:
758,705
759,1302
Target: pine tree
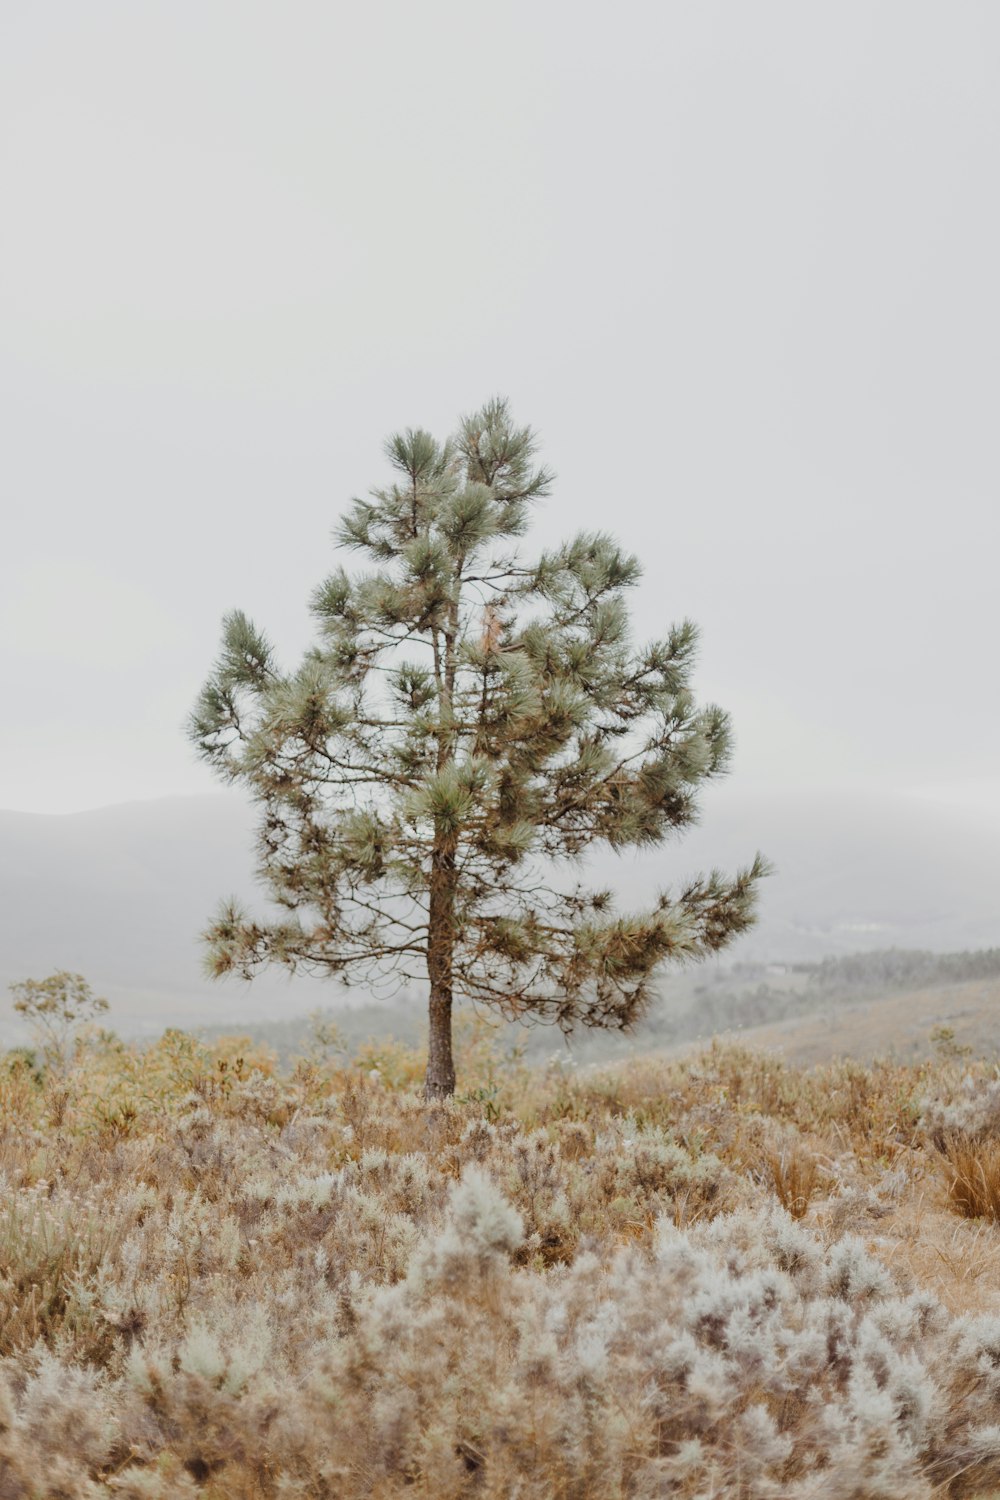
467,726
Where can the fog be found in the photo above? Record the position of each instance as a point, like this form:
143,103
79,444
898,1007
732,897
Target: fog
123,894
736,263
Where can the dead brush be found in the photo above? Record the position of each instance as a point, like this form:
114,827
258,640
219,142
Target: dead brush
47,1251
972,1172
794,1176
175,1255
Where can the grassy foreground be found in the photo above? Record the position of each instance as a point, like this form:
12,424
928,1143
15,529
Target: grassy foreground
712,1277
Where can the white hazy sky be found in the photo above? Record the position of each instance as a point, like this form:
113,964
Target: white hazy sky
737,263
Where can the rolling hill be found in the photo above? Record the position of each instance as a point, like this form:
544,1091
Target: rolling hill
121,894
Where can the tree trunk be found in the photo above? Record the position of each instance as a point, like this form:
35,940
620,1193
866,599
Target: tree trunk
440,1083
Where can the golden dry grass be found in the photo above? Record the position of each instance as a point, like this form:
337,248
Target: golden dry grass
973,1176
718,1275
795,1179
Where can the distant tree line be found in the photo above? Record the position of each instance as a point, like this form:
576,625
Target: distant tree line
901,968
695,1006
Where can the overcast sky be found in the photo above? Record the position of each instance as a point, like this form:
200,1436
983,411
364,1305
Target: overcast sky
737,263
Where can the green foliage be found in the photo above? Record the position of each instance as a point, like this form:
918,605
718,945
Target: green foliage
55,1008
468,725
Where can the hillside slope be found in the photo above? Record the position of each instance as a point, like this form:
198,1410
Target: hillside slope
893,1025
122,893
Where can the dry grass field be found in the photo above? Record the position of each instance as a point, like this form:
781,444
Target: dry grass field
900,1025
713,1276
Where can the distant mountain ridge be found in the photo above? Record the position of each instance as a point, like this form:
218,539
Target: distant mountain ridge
121,894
